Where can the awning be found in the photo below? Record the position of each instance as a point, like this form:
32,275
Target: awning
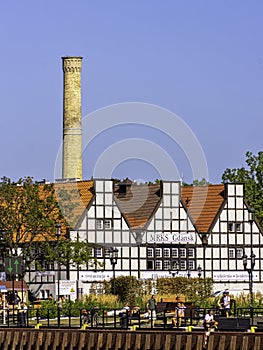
16,285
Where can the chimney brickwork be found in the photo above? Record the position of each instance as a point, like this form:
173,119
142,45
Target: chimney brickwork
72,126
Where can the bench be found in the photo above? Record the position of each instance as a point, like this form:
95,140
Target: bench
233,323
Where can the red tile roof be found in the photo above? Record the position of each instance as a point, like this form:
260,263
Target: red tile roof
203,204
138,203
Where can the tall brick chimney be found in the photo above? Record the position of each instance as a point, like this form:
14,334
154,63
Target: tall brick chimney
72,129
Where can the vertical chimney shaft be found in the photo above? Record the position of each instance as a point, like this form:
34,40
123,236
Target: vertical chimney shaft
72,129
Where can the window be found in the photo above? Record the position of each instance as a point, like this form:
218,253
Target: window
158,264
230,227
175,265
238,226
191,265
166,265
150,252
106,252
150,265
166,253
99,224
91,251
183,265
182,252
107,224
231,253
158,252
174,253
99,252
240,253
191,252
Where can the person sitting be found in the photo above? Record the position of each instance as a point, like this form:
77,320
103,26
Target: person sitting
135,313
209,321
178,315
85,316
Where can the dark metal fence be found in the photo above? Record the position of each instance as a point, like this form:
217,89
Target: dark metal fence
109,319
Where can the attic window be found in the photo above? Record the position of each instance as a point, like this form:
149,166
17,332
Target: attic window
99,224
107,224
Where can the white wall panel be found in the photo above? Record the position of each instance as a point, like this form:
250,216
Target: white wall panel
108,212
231,189
99,211
99,185
108,237
100,237
108,199
239,190
108,186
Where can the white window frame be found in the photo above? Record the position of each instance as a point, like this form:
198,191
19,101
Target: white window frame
99,224
158,265
191,252
182,252
107,224
182,264
167,265
158,252
175,253
231,253
239,253
150,253
166,252
98,252
191,265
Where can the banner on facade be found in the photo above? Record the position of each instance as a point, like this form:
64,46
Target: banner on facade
165,274
177,238
234,276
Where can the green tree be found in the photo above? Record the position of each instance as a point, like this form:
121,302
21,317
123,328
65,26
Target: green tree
29,213
252,177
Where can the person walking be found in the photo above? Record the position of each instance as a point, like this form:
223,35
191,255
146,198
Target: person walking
151,307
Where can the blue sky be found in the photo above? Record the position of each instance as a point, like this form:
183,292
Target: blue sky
202,60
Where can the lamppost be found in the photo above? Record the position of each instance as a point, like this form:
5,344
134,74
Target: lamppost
204,238
113,260
250,276
58,235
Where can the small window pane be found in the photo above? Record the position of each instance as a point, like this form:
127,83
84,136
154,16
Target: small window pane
231,253
174,252
107,224
150,252
150,265
99,224
166,253
230,227
240,253
191,265
158,252
182,252
98,252
191,252
183,264
158,264
166,265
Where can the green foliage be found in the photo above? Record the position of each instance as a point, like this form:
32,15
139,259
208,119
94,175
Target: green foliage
252,177
27,212
194,289
127,288
202,182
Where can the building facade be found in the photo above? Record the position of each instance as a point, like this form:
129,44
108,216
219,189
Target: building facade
164,230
